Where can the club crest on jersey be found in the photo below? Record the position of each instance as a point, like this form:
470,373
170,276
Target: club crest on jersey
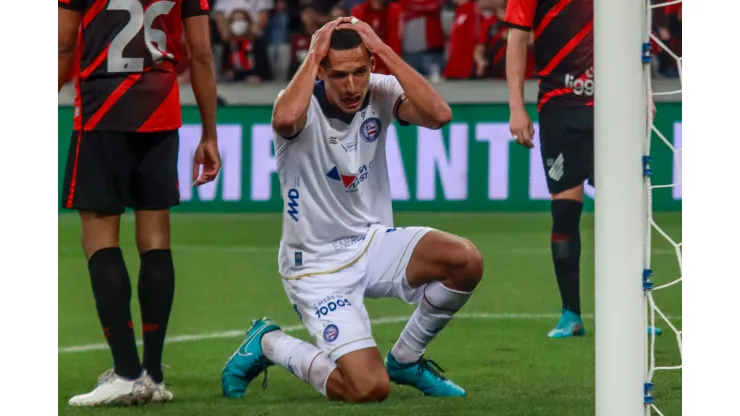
370,129
351,182
331,333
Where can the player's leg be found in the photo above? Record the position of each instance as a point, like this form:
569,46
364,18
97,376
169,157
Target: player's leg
566,142
437,270
154,190
344,365
96,184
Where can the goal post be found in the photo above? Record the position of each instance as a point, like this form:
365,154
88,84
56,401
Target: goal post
620,119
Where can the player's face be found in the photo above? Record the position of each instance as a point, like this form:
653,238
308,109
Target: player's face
347,77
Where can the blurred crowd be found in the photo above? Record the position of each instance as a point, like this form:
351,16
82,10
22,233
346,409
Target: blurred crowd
258,41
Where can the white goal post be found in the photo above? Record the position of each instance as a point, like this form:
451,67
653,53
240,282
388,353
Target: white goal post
620,119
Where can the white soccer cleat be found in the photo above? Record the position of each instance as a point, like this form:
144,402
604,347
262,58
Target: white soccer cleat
113,389
161,394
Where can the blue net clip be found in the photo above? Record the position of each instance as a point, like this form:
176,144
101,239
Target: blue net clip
646,170
647,55
649,399
647,284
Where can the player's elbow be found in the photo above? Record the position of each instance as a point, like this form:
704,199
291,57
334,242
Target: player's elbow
441,116
284,124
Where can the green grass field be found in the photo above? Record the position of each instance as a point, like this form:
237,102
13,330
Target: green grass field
497,348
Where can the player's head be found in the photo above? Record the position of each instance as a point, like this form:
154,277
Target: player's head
346,70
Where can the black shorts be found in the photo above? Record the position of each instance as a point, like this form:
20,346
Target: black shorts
108,171
567,146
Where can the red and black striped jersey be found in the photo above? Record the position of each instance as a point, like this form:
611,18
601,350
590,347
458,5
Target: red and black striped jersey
563,47
129,51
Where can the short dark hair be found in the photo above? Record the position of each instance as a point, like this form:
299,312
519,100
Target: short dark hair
343,40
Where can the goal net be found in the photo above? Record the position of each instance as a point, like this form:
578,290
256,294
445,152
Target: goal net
662,58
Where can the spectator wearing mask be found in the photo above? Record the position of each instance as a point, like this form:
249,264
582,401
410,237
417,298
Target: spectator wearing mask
314,14
423,36
258,10
461,49
490,51
246,55
384,17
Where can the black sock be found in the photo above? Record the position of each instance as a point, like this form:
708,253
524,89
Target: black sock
112,290
156,292
566,251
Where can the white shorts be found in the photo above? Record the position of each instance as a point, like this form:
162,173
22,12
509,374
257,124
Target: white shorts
332,306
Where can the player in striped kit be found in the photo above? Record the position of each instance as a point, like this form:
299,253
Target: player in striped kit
339,245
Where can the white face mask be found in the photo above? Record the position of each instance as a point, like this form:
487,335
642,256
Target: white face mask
239,27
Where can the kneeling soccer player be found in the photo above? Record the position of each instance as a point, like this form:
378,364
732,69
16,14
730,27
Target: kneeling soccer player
338,244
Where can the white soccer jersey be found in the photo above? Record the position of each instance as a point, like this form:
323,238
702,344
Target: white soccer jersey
334,181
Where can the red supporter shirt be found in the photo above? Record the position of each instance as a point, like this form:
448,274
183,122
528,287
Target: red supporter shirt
386,22
465,27
129,52
431,12
563,47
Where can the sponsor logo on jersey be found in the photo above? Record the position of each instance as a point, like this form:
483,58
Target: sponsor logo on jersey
349,147
298,258
347,242
370,129
331,333
293,203
351,182
583,85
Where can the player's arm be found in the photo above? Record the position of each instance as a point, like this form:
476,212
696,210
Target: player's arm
519,19
202,71
70,14
290,113
422,105
203,82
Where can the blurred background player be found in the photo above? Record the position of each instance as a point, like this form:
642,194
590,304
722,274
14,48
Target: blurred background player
123,154
339,245
563,54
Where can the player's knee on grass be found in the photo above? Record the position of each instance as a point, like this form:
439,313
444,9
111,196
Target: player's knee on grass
374,387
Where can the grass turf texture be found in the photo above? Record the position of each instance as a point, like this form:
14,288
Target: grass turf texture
226,276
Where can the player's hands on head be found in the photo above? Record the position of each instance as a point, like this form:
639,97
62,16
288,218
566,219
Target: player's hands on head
207,157
372,41
321,38
521,127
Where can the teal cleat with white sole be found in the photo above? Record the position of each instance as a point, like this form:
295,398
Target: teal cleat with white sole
570,325
424,376
248,361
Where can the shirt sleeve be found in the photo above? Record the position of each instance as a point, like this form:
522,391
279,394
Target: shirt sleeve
387,91
520,14
74,5
192,8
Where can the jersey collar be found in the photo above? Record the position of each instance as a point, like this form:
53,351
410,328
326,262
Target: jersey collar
319,91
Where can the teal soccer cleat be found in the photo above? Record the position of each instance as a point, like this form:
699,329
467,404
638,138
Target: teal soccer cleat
248,361
422,375
570,325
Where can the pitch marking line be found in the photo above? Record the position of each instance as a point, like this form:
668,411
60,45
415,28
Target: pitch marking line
239,333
